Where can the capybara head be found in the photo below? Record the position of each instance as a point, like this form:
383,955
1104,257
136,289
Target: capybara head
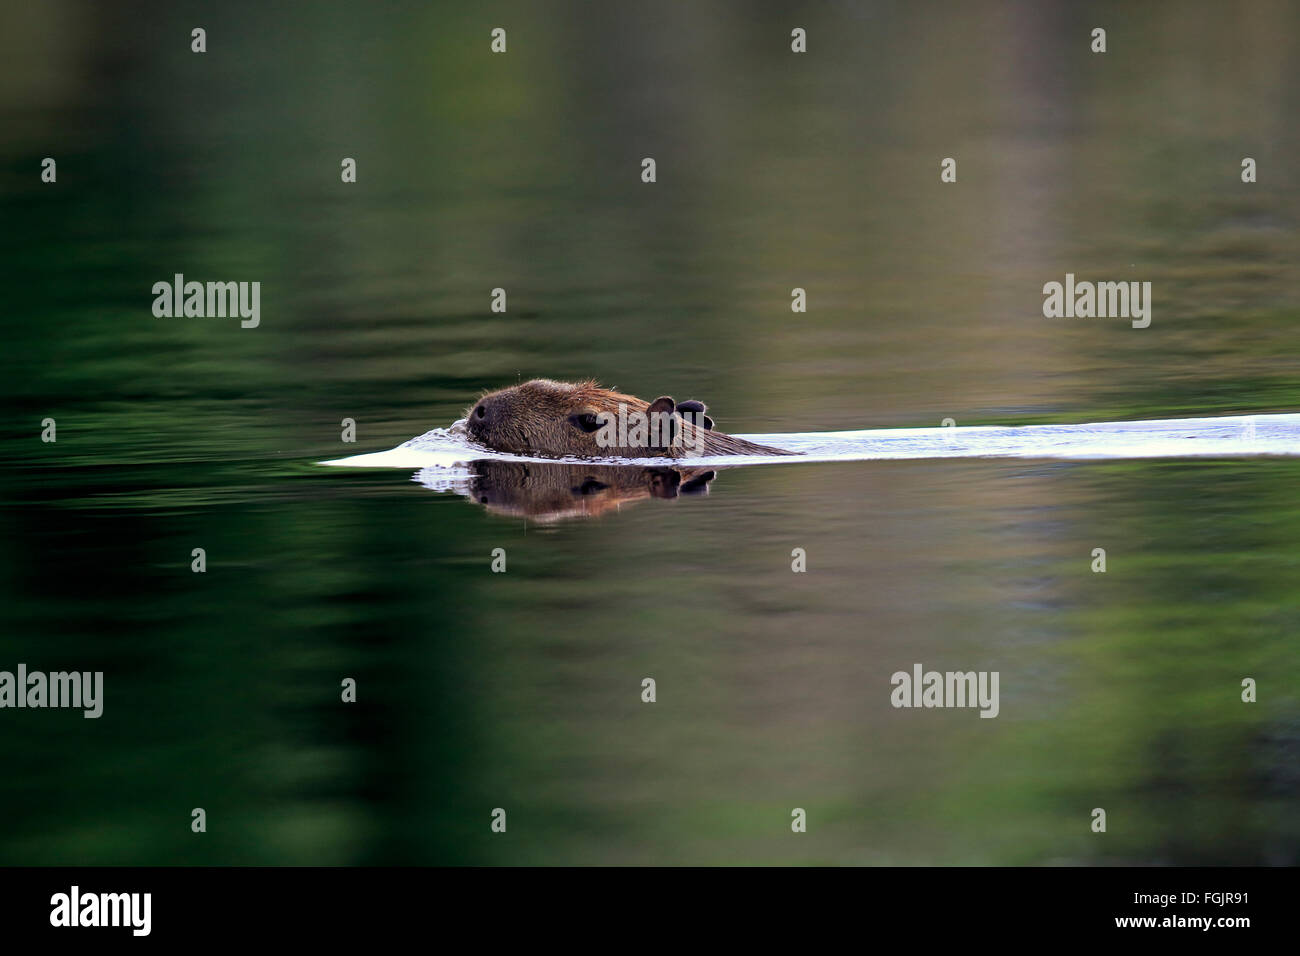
583,420
549,418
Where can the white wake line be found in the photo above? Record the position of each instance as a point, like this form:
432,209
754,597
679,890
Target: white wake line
1162,438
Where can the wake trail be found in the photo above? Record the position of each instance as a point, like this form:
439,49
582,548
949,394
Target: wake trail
1232,436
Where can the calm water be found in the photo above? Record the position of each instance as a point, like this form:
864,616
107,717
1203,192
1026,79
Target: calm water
521,690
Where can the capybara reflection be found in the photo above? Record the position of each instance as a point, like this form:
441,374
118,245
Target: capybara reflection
583,420
551,492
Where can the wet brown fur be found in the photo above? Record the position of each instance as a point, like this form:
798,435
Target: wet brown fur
537,418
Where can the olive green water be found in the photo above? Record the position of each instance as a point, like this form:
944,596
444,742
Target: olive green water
522,690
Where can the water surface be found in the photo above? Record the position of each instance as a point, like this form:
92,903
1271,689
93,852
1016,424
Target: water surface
522,689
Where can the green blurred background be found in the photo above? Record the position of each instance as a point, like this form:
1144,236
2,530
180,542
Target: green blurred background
521,690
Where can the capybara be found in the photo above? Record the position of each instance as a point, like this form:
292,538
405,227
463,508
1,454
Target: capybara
583,420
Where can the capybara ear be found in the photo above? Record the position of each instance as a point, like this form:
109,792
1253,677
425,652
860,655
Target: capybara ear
693,411
699,485
663,405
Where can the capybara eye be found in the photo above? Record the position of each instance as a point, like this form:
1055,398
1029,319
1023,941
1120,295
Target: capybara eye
480,411
586,421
